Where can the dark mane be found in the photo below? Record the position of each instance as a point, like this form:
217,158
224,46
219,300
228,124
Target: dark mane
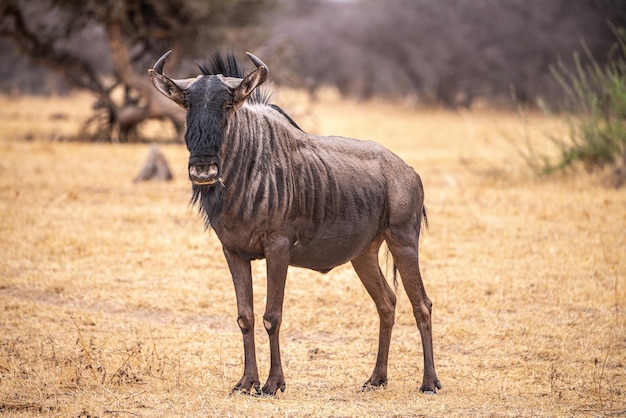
228,65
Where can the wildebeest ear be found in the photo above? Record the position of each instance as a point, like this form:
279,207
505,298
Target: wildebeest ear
251,81
172,89
168,88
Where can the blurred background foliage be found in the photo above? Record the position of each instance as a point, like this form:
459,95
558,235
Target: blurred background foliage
594,105
452,54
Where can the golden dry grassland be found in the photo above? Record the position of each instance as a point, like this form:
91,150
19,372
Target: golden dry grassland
114,302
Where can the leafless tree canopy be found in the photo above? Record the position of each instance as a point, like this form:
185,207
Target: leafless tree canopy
106,46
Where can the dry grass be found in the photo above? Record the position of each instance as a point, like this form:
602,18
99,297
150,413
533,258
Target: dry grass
115,302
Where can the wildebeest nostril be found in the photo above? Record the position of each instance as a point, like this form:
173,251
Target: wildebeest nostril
207,169
212,170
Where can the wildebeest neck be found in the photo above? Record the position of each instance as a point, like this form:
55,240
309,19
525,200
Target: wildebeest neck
273,170
249,150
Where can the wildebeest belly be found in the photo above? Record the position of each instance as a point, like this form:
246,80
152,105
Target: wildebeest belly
323,253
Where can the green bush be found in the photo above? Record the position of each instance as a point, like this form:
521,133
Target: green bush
595,107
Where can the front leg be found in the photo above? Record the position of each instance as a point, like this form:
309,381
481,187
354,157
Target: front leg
277,255
242,278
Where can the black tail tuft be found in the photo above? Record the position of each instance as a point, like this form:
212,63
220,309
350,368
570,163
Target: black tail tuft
395,277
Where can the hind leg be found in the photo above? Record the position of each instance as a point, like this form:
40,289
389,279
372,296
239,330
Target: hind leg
367,267
403,244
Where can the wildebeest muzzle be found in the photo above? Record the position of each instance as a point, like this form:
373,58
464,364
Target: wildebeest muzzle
203,171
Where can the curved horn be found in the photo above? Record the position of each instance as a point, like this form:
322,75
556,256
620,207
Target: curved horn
256,60
251,81
172,89
158,66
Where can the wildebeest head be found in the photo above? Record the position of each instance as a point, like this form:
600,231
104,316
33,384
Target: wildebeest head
209,101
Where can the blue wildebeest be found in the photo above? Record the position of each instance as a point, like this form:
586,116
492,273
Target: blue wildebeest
269,190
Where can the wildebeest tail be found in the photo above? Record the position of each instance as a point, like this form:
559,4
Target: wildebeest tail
395,277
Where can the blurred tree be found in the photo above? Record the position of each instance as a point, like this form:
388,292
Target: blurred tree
449,53
106,46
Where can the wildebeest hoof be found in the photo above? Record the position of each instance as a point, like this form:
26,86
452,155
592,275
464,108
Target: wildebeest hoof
270,390
254,390
370,386
430,390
